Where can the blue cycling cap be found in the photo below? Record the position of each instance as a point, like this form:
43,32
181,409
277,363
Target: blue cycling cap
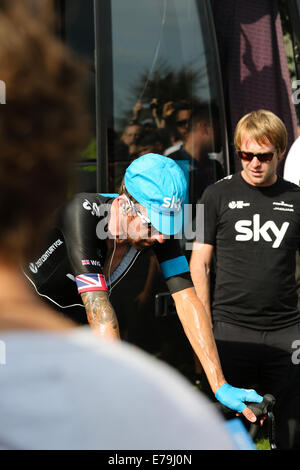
159,184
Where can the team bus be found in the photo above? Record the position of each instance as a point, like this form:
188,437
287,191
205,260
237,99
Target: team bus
151,64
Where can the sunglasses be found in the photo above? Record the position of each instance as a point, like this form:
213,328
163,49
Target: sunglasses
182,123
262,157
145,220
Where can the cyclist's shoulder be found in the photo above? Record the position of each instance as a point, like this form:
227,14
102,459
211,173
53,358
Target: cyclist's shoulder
78,199
78,208
85,202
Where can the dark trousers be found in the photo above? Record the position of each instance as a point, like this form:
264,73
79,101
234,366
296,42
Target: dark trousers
268,362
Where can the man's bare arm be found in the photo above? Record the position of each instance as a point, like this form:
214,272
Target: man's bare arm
101,314
198,329
200,272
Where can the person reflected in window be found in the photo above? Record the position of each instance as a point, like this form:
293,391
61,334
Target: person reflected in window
127,141
195,154
171,116
151,141
177,124
122,152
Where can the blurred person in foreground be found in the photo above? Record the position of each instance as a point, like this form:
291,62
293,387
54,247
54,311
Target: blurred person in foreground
60,386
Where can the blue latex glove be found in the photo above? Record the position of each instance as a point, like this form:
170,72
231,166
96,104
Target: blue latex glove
234,398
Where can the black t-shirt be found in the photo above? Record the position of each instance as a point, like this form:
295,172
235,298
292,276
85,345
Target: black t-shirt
72,260
255,232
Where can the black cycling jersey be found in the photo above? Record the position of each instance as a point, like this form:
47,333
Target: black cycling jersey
72,260
256,233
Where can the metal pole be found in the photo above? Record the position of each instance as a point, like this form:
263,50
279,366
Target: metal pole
102,22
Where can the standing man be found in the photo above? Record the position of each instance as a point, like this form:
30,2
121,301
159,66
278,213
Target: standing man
252,225
98,239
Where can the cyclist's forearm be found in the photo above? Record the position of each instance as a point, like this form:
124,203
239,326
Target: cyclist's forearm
197,327
100,314
200,272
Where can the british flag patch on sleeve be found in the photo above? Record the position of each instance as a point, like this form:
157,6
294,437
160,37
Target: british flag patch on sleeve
90,282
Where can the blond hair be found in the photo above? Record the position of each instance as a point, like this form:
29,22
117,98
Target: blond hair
262,126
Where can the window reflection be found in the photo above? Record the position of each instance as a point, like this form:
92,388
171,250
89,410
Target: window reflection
162,83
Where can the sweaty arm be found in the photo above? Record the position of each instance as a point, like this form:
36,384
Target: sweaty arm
197,327
200,271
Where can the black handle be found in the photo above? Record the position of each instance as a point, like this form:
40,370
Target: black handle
265,408
259,409
262,409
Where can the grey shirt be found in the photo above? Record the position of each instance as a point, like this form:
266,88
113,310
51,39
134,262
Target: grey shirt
74,391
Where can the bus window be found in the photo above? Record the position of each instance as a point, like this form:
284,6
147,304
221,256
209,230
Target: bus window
165,98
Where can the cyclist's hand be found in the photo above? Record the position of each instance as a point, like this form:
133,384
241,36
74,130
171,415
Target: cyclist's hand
236,399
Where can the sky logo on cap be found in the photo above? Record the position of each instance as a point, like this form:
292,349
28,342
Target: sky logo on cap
172,203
